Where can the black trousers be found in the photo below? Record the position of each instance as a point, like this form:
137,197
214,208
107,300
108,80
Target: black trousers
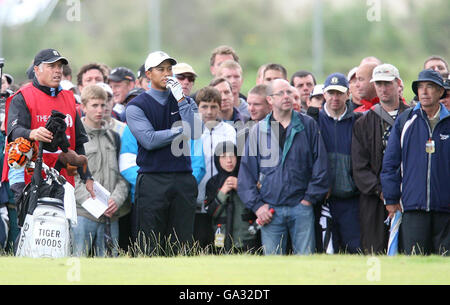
125,232
346,228
425,233
203,230
165,210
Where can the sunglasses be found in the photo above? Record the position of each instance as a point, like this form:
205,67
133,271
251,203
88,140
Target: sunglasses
182,77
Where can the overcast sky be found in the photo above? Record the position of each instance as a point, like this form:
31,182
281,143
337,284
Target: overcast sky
15,12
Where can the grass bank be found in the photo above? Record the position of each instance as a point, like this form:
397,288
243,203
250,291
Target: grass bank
228,269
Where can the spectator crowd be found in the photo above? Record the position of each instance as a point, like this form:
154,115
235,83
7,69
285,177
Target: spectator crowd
289,167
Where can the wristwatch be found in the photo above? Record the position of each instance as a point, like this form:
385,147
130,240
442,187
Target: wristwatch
85,179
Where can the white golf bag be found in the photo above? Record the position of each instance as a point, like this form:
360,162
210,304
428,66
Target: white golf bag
47,231
46,208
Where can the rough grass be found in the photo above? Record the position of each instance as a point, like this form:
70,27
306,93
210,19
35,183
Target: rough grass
228,269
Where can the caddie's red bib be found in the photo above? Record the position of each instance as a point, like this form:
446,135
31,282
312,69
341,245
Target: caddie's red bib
40,106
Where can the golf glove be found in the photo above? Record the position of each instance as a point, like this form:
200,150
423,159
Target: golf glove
174,85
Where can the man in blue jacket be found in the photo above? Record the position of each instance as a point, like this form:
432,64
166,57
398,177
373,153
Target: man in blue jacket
284,167
336,121
416,170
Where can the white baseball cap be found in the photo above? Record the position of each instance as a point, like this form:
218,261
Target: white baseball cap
318,90
155,58
105,87
66,84
385,72
351,73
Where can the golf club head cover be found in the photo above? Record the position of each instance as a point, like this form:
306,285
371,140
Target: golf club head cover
20,152
72,161
57,125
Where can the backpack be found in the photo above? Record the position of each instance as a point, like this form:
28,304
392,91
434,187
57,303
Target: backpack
46,232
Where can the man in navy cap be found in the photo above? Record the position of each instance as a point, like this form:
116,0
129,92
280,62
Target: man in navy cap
336,121
29,109
416,170
121,80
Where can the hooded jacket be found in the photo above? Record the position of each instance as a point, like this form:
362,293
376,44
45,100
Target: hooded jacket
283,176
209,139
410,175
228,209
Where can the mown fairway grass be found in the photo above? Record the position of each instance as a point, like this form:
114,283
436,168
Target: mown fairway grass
228,269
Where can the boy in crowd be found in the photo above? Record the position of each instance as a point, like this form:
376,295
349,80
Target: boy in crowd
215,131
101,151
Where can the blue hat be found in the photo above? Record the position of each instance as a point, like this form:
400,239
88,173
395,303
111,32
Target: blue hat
429,75
121,73
132,94
336,81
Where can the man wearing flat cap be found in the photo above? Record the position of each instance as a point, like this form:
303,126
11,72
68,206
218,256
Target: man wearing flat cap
29,109
416,170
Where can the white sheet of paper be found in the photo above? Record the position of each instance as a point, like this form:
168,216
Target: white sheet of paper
101,193
95,207
98,205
